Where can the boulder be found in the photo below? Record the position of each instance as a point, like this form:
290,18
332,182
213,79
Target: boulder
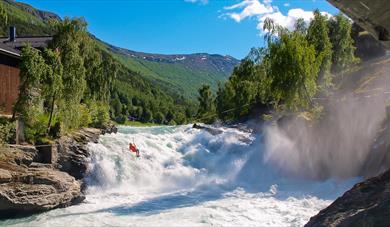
366,204
30,189
72,152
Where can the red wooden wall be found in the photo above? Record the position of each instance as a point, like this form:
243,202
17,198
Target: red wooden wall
9,87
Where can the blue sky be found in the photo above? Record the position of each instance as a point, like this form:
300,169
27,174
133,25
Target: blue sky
227,27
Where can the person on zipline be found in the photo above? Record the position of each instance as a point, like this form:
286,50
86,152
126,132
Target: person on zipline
133,148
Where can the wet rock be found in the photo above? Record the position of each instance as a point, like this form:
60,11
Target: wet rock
366,204
212,131
72,152
108,129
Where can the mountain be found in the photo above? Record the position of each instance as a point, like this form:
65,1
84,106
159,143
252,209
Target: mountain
179,74
28,20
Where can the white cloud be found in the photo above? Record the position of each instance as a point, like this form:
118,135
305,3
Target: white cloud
249,8
204,2
263,10
286,4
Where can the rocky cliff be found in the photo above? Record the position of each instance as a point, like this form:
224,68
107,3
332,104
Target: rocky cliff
39,179
366,204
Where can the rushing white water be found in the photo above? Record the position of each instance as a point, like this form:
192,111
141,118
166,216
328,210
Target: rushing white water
188,177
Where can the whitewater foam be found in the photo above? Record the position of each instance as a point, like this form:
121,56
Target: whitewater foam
188,177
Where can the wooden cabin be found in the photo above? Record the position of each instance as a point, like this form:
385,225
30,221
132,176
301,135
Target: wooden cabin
9,66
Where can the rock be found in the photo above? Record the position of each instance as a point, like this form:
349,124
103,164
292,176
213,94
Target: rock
72,152
110,128
36,188
379,159
366,204
34,180
5,176
212,131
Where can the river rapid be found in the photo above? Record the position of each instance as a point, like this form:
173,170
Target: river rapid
188,177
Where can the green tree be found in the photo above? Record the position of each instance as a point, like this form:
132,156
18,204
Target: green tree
293,69
300,26
160,118
224,100
52,80
318,36
116,106
3,14
343,46
32,69
147,116
69,33
206,104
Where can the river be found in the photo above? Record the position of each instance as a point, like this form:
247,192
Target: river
188,177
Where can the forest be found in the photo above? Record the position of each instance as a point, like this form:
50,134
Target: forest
288,73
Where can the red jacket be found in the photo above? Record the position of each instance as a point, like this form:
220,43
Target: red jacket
132,148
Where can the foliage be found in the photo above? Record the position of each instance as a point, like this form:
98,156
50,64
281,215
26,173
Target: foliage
343,46
293,69
318,36
7,131
68,38
290,70
3,15
206,109
32,69
99,114
69,82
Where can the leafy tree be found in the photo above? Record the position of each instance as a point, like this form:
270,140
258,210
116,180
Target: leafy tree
69,33
294,69
3,14
32,69
244,81
147,116
160,118
342,43
116,106
318,36
206,103
224,100
300,26
52,80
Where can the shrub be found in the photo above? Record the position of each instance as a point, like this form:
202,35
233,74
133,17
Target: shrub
99,114
7,131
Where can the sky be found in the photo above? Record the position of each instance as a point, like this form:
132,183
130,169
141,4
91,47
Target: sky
226,27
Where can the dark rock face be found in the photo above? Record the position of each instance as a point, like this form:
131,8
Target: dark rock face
379,159
366,204
28,187
111,128
72,151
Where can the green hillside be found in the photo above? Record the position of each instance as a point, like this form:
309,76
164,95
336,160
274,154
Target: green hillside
177,77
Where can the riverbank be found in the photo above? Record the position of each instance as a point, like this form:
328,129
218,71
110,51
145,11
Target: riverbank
41,178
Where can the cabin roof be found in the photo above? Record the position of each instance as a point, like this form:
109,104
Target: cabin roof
5,49
19,42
